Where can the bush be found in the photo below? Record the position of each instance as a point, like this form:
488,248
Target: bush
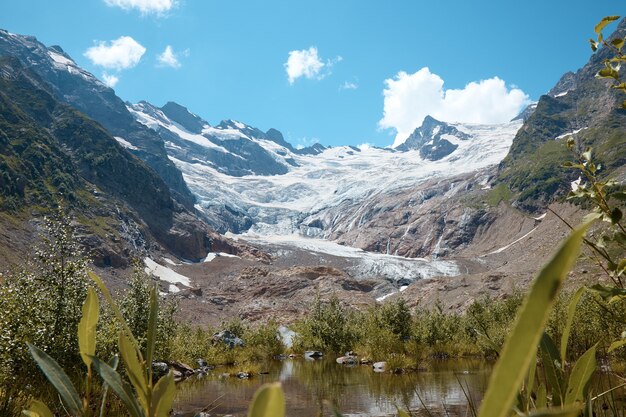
329,328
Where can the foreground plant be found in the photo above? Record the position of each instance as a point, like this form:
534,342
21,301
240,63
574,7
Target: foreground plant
146,398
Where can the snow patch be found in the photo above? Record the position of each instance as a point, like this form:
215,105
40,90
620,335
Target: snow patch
125,143
60,59
511,244
573,132
169,261
164,273
212,255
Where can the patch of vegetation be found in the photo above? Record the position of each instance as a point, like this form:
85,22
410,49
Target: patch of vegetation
497,194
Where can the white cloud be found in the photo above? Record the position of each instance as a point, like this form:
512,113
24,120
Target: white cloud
305,142
122,53
308,64
168,58
144,6
348,85
110,80
411,97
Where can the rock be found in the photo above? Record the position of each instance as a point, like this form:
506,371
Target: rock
347,360
379,366
184,369
203,414
228,338
201,363
243,375
313,354
159,369
177,375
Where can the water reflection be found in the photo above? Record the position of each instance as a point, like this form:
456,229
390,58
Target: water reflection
312,389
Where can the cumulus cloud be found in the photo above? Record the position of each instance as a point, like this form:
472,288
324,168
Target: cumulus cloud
305,142
308,64
122,53
110,80
144,6
168,58
408,98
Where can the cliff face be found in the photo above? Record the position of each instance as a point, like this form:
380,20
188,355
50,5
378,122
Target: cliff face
582,106
72,85
51,153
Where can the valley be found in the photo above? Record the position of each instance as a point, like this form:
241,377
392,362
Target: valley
155,234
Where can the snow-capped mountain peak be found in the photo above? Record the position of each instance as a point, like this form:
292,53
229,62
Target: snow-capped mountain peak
435,139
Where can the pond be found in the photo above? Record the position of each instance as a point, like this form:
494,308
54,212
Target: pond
314,388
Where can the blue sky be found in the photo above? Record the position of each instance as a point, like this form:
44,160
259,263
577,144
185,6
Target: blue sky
228,58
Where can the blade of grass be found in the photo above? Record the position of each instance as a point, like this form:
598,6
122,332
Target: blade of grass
521,345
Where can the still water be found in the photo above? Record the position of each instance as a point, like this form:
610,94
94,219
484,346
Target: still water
314,388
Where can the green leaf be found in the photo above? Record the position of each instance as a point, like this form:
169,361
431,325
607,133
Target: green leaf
618,43
616,345
530,383
152,329
571,311
608,73
542,397
520,347
604,22
118,314
163,396
114,381
38,409
134,369
616,215
113,362
609,294
557,412
580,377
552,367
268,401
87,327
59,379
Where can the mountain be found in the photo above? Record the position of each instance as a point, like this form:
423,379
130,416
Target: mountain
51,152
329,193
434,139
72,85
582,106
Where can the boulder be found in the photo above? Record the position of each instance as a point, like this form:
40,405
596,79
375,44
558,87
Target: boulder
379,366
228,338
348,360
201,363
313,354
159,369
184,369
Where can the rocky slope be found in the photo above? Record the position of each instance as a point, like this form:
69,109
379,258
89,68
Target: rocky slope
72,85
581,106
52,153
